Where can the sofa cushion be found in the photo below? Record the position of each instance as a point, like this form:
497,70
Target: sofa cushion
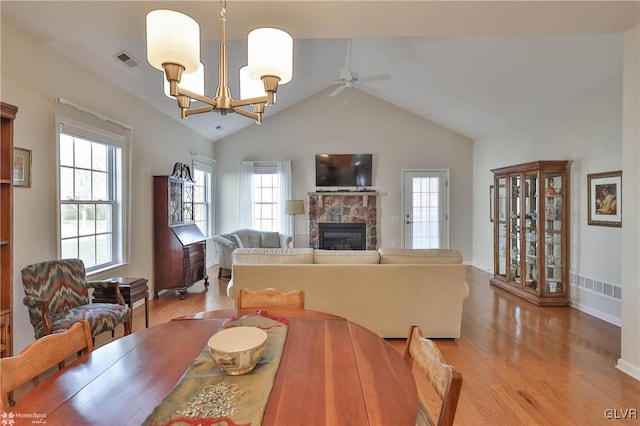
249,256
270,239
346,256
413,256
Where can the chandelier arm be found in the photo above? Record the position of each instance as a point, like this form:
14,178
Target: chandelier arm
257,117
249,101
199,110
198,97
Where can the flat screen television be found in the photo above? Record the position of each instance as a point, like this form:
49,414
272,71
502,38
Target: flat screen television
344,170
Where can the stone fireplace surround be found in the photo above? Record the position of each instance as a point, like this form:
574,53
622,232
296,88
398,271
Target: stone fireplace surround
344,207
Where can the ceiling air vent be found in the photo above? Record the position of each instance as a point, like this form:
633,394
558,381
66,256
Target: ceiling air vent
126,59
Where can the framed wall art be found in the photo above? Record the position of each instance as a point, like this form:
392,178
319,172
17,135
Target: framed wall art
21,167
605,198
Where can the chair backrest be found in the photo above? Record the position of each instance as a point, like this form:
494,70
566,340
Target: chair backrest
41,355
445,380
63,282
269,297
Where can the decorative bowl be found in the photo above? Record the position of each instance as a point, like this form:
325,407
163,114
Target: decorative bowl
237,350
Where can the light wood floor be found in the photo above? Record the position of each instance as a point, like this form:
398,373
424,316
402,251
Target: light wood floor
521,364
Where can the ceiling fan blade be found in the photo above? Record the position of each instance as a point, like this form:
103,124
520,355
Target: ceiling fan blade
380,77
337,91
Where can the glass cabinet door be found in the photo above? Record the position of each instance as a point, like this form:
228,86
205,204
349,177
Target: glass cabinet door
501,218
175,202
553,228
531,231
188,202
515,269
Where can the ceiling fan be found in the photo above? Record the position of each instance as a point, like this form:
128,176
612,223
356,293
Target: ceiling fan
348,78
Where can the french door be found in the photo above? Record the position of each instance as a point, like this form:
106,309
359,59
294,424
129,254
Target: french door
426,208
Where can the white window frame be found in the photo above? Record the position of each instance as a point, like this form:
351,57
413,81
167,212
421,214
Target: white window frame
121,187
282,170
207,165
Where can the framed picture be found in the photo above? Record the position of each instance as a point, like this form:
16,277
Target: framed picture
605,198
492,204
21,167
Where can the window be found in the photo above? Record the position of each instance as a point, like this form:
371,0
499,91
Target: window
203,195
91,195
264,188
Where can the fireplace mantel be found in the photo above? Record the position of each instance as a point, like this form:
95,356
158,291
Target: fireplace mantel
344,207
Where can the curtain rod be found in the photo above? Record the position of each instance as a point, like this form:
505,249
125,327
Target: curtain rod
80,108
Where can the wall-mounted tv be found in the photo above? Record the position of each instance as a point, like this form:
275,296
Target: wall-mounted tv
344,170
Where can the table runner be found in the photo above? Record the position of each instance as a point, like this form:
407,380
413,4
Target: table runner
206,396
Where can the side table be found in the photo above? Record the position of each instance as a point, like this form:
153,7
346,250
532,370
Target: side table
132,289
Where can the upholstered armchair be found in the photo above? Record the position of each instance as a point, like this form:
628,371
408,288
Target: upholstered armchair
245,238
57,296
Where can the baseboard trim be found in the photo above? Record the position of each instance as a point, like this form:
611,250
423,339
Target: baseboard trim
596,313
628,368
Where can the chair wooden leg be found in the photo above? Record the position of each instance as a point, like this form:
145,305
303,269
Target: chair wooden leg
127,328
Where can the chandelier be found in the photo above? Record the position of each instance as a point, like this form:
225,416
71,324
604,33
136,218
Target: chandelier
173,46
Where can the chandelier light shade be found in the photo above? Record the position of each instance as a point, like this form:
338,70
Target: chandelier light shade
270,52
173,37
250,88
173,46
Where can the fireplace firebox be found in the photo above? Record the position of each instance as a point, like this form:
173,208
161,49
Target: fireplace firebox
342,236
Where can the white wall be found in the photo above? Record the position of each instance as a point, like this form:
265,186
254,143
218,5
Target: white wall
587,130
629,361
353,122
31,75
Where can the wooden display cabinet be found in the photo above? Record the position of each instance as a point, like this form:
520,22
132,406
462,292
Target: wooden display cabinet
179,246
8,114
531,231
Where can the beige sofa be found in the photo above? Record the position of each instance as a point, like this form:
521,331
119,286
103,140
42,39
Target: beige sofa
386,290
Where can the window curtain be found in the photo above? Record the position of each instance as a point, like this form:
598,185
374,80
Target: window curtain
246,194
282,169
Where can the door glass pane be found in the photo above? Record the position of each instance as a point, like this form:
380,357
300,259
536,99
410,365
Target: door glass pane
426,206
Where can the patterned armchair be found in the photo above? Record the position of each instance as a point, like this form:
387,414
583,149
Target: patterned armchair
57,297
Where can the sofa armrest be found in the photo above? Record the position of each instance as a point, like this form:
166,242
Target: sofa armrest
33,302
224,242
285,240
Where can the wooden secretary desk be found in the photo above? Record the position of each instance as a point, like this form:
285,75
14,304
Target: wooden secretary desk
179,256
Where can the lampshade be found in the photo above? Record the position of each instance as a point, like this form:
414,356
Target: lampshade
173,37
193,82
249,87
270,52
293,207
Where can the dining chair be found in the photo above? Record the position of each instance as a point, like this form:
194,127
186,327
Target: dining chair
269,297
41,355
443,378
57,296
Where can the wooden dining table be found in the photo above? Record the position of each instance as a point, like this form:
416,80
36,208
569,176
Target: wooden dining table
350,376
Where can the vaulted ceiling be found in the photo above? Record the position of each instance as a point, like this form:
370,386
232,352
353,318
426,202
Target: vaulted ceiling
471,66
